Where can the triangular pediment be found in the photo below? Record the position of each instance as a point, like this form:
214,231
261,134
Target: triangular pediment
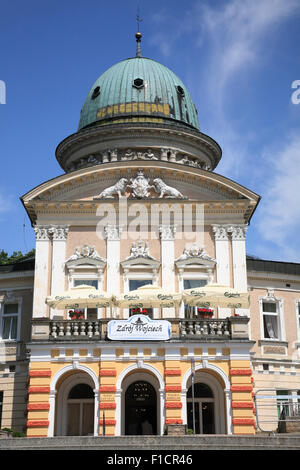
159,183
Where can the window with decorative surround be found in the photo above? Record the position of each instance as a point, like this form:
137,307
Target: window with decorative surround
135,284
10,320
188,283
86,266
89,313
270,320
271,317
139,269
195,268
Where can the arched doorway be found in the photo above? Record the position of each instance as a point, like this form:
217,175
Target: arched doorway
140,409
80,412
203,410
75,411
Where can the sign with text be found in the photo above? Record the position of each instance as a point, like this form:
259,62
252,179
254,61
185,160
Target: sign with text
139,327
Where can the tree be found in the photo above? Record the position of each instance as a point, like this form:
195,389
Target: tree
15,257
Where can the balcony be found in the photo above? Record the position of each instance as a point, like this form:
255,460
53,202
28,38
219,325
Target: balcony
231,328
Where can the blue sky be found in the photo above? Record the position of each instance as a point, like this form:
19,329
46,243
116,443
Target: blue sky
238,59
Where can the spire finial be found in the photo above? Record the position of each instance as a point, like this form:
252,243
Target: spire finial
138,35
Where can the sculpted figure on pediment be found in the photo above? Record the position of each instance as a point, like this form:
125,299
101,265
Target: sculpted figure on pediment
163,189
129,155
194,251
139,249
117,189
85,251
184,160
149,155
140,185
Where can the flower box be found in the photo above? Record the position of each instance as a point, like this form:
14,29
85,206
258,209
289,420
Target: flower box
139,311
205,312
76,314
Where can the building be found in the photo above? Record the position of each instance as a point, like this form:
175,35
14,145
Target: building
140,204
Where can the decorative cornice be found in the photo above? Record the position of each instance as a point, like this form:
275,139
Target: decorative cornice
111,132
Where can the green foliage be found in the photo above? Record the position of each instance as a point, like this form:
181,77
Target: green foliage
15,257
14,433
190,431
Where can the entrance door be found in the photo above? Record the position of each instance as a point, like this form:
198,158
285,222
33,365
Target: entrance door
140,409
204,409
80,411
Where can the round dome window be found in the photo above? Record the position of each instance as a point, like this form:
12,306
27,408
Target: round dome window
180,90
96,92
138,83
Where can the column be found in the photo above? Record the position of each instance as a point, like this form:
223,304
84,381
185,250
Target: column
113,236
42,271
238,234
59,238
222,258
167,235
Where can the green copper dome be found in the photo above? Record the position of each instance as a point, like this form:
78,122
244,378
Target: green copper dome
138,90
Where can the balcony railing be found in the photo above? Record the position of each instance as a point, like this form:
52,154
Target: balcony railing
73,329
197,328
229,328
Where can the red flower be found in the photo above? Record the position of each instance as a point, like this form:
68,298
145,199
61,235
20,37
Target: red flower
76,314
139,311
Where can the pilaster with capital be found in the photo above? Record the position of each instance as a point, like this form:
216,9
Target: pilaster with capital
43,236
238,235
222,253
113,253
223,261
167,236
59,239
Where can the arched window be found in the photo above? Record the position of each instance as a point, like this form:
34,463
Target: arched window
81,391
140,411
201,410
201,390
80,420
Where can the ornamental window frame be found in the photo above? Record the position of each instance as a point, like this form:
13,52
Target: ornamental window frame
194,268
278,315
297,311
140,269
10,299
89,269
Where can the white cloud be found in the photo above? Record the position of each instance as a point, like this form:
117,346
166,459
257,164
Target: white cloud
237,31
237,38
279,217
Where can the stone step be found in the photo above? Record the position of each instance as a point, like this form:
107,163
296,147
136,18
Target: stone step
136,443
